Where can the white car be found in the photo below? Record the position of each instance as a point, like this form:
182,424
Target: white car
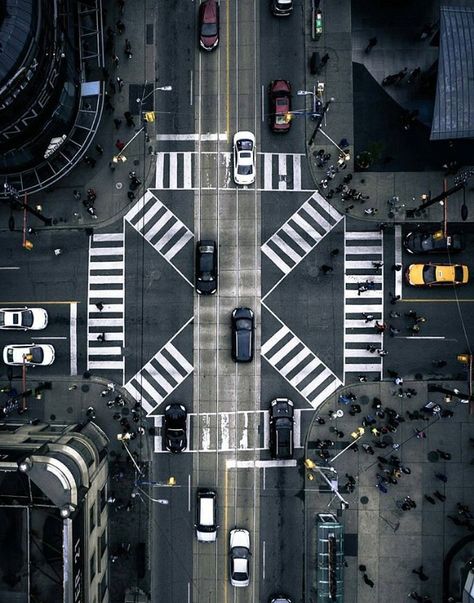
239,557
244,158
35,354
26,319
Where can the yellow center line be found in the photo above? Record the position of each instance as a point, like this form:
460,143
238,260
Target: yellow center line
35,303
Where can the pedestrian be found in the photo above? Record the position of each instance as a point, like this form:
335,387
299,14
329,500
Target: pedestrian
421,319
393,331
115,60
101,337
414,329
129,119
430,499
112,87
414,595
372,42
439,495
119,144
368,449
120,83
414,75
325,269
446,456
77,195
401,75
100,306
368,317
377,264
398,380
118,123
361,288
90,210
396,267
368,581
381,352
394,298
370,211
320,420
120,25
420,434
91,195
90,413
131,195
442,477
362,379
420,573
380,327
128,49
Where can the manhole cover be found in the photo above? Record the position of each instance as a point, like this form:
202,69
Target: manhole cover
118,186
85,388
69,410
364,500
52,417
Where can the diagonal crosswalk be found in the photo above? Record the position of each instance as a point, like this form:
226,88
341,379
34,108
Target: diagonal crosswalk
299,366
106,288
160,227
178,170
301,233
159,377
362,248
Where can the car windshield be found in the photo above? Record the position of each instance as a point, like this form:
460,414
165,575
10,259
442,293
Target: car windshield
245,170
244,324
37,354
27,318
458,273
2,319
427,243
244,145
10,355
206,262
209,29
429,274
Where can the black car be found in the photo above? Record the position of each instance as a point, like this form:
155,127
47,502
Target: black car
282,8
281,428
242,335
433,242
175,427
206,267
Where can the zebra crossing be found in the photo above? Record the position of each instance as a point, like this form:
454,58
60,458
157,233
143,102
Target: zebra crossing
300,367
159,377
362,248
301,233
228,431
160,227
180,170
106,288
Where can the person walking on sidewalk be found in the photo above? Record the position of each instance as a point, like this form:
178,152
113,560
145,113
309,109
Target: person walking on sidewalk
420,573
128,49
120,83
372,43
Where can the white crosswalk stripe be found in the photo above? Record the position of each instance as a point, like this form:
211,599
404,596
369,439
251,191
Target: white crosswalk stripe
300,367
159,377
362,248
301,233
227,431
106,287
160,227
179,170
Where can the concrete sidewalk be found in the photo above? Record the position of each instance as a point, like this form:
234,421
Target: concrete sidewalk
378,534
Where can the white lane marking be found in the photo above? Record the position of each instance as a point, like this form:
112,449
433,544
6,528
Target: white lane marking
173,173
234,464
360,235
275,258
105,351
296,172
189,592
160,172
191,87
363,249
73,338
263,103
189,492
48,338
267,171
225,432
282,184
106,364
209,137
9,267
263,559
187,171
244,440
264,478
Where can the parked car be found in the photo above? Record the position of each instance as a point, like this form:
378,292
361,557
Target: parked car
430,275
209,24
281,428
244,158
282,8
433,242
35,354
206,267
280,105
175,427
239,557
26,319
242,335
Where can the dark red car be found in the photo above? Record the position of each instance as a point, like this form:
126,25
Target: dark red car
280,105
209,24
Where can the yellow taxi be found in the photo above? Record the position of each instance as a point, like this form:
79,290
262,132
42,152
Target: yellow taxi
430,275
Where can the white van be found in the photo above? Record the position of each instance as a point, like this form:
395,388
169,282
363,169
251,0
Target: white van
206,516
